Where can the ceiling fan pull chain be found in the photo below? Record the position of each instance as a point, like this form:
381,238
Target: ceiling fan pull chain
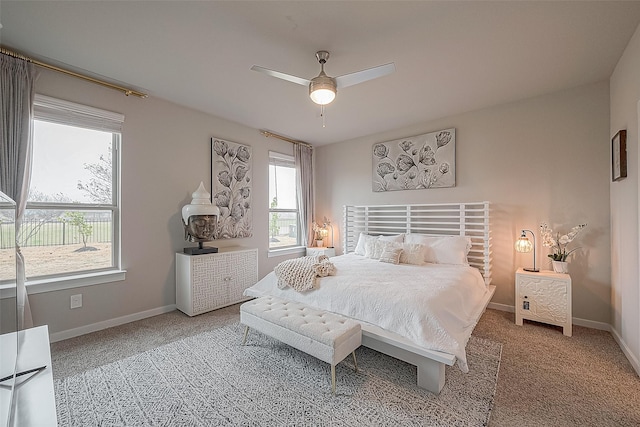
322,115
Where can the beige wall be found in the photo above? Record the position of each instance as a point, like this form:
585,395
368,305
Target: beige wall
165,155
541,159
625,296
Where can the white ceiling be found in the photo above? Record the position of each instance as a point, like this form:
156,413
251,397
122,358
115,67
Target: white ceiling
450,57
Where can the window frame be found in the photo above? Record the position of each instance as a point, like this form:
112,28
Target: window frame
67,113
286,159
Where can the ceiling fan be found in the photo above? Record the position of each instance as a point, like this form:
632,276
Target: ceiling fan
322,88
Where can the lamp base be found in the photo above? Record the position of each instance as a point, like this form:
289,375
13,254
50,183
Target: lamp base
200,251
532,270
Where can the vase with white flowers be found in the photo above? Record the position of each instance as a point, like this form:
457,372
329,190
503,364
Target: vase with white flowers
320,233
559,245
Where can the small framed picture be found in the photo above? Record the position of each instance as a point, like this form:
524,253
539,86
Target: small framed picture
619,156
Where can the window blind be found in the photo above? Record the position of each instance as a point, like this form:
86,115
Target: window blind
69,113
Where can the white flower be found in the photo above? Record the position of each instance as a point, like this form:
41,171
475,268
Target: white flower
559,244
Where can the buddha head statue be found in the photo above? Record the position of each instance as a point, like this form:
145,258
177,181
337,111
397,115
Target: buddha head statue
200,217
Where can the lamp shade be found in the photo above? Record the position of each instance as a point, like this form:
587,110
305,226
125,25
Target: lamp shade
523,244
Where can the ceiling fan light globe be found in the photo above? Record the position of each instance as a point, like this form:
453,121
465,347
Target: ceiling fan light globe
322,96
322,89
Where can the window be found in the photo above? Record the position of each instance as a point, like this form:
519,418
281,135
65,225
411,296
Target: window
284,218
71,223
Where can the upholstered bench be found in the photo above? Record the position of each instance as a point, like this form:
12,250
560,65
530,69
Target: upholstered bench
326,336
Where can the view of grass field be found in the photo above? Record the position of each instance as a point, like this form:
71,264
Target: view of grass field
56,247
41,260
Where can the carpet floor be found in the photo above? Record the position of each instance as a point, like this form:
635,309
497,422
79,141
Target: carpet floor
546,379
210,379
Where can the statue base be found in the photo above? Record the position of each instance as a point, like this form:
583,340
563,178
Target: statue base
200,251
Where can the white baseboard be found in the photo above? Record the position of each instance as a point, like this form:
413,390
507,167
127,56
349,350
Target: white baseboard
576,320
502,307
626,350
75,332
592,324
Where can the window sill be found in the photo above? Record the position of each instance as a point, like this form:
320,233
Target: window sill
77,281
297,250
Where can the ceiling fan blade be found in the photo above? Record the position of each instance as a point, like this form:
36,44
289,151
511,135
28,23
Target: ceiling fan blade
365,75
283,76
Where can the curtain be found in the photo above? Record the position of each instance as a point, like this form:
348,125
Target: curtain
17,81
303,156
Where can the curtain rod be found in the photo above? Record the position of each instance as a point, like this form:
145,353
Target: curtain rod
126,91
268,134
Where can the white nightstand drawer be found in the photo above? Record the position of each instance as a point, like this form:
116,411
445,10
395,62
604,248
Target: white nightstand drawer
544,297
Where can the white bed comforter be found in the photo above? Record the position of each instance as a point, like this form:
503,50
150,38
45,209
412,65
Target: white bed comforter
435,305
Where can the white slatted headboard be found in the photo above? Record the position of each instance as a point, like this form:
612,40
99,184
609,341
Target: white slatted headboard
445,219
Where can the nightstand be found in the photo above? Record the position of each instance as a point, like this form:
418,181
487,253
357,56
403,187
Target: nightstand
544,297
321,251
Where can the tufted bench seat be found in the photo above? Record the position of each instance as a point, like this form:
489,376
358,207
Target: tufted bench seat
327,336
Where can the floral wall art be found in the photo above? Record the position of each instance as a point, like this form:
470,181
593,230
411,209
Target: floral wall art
422,161
231,188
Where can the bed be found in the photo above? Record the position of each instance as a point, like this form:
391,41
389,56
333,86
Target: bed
421,313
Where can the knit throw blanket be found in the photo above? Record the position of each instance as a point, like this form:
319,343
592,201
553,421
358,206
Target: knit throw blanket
301,274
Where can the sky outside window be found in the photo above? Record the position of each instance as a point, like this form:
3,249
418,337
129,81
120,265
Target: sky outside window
59,155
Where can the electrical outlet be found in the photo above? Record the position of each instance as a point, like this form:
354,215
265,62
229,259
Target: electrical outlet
76,301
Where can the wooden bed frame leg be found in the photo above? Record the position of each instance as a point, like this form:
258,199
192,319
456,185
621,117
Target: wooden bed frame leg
431,375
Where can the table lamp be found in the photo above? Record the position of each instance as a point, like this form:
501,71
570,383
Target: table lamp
523,244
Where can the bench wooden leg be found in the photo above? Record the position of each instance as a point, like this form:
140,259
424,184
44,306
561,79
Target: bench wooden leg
246,332
333,379
355,363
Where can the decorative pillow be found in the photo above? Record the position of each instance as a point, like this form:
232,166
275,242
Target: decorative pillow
413,253
370,249
391,255
374,248
443,249
362,241
397,238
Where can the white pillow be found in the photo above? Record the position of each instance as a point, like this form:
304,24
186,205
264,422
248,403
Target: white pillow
362,241
374,248
413,253
398,238
391,255
443,249
370,249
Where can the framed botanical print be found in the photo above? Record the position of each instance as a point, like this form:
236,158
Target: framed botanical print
619,156
415,162
231,188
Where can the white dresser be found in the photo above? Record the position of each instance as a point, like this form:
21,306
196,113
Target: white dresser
544,297
210,281
34,396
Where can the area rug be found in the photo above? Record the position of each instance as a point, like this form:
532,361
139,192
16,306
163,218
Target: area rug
212,380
